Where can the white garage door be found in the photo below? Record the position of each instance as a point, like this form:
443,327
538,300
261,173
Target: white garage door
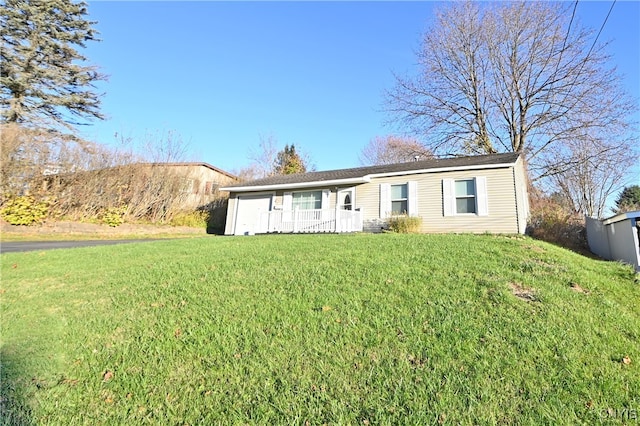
248,220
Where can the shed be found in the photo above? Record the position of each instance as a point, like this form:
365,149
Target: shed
616,238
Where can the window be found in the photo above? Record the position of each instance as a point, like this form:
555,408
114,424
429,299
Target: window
211,188
465,196
399,199
346,198
307,200
187,186
346,205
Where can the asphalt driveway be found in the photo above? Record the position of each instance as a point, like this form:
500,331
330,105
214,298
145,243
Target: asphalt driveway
20,246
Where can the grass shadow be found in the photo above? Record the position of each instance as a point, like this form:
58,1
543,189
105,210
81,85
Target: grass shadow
14,409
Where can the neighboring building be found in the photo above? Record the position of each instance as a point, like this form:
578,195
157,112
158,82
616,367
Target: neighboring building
201,181
146,191
478,194
616,238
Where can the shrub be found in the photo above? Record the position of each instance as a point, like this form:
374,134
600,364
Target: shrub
194,219
24,210
550,221
404,224
114,216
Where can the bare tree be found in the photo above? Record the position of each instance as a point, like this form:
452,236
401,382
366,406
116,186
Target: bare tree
82,180
393,149
164,147
596,171
520,77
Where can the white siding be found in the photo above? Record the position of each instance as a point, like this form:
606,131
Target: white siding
229,227
502,215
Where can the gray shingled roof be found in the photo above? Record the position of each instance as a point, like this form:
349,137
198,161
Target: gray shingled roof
361,172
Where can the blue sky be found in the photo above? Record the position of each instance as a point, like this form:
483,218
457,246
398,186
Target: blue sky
221,74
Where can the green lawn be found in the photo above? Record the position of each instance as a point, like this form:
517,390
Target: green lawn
335,329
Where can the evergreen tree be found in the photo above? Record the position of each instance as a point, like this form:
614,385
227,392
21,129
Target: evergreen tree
288,162
628,200
43,80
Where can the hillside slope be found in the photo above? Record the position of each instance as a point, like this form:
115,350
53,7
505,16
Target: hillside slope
281,329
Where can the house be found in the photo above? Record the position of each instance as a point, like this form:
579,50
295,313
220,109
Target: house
193,184
200,181
616,238
149,191
466,194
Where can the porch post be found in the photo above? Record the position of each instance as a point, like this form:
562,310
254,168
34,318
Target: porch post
295,220
338,228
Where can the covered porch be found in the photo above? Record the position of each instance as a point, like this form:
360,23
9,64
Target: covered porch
310,221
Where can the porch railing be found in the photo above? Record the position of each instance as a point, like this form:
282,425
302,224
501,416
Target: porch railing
311,221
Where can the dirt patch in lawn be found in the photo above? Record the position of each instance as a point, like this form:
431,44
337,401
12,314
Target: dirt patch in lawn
578,288
523,293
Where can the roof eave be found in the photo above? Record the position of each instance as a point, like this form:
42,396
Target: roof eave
441,169
296,185
366,178
622,216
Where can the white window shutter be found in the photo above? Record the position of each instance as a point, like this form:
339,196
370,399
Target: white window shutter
481,196
412,198
325,198
385,200
287,206
287,201
448,197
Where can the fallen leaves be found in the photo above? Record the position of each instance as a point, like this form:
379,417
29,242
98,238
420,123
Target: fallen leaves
626,360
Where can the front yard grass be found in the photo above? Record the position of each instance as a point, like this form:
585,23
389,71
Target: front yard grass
324,329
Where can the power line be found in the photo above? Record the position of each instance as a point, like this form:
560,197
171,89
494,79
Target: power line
601,28
586,58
